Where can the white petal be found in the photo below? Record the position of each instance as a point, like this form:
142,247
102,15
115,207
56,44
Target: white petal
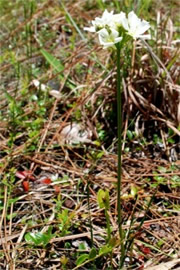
114,33
43,87
119,18
36,83
108,44
107,14
133,21
145,36
118,39
97,21
143,27
103,33
90,29
125,24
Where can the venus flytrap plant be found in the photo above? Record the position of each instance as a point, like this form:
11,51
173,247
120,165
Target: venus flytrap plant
115,30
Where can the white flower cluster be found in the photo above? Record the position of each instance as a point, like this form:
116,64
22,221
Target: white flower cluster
109,27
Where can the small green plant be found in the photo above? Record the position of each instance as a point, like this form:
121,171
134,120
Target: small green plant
38,238
103,201
94,254
64,261
65,221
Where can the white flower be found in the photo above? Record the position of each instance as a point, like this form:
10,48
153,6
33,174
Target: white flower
109,27
118,20
100,23
37,84
108,38
135,26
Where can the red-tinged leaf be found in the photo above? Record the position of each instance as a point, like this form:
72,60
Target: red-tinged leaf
46,181
57,189
20,175
32,178
145,250
25,185
25,174
29,175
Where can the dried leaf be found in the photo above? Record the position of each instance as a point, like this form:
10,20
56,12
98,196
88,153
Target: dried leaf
55,94
69,203
75,133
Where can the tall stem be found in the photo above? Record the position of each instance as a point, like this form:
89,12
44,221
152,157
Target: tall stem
119,126
89,210
108,225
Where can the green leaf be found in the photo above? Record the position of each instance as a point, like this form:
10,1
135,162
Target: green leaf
11,216
171,140
12,103
162,169
105,249
9,97
126,150
53,61
98,143
113,242
82,247
134,190
103,199
160,242
57,65
82,259
92,253
32,238
100,196
39,238
129,134
175,178
100,154
13,200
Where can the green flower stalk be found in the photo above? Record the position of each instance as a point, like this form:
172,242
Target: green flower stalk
119,126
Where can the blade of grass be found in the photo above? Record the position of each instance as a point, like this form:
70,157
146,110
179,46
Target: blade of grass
157,60
54,62
72,21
